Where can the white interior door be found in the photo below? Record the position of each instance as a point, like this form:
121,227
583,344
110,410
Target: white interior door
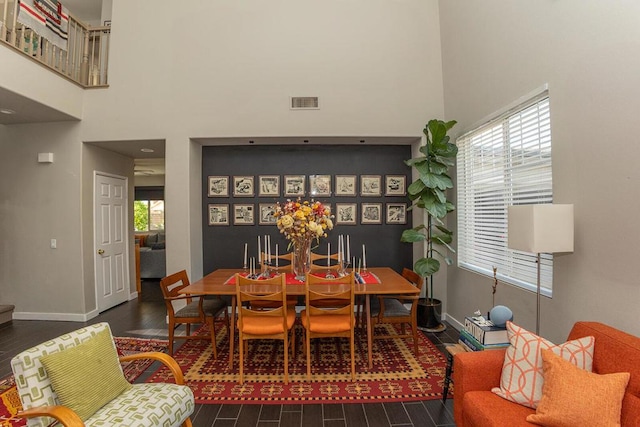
110,225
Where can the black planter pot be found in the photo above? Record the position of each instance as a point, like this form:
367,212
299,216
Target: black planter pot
430,315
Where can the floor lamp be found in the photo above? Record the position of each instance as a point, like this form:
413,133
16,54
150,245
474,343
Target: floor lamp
543,228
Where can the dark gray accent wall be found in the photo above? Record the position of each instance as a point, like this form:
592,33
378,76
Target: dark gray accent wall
223,246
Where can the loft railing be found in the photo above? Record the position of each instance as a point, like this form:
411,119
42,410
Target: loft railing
84,60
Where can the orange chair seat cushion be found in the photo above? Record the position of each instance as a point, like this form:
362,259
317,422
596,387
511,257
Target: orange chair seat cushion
327,323
486,409
265,325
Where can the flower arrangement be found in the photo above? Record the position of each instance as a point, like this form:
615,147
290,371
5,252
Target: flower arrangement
303,220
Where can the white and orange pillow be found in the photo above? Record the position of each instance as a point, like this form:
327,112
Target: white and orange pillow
522,375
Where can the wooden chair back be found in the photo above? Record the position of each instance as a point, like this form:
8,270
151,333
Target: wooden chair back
285,262
273,320
329,312
319,261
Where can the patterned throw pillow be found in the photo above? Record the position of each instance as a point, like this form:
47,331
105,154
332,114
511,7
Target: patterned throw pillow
87,376
521,380
574,397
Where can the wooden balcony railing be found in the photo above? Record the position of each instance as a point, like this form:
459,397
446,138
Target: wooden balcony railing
85,59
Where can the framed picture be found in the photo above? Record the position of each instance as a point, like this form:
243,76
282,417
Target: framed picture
266,214
395,185
218,214
218,186
294,185
269,185
243,186
345,185
370,185
396,213
346,213
320,185
243,214
371,213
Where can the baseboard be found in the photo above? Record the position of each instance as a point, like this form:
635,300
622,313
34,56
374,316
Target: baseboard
64,317
454,322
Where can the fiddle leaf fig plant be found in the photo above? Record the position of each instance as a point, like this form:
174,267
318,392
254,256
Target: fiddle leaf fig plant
428,192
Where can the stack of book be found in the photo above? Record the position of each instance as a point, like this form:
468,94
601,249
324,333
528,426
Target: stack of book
480,334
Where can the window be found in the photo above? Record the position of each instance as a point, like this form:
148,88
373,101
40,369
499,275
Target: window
148,209
504,162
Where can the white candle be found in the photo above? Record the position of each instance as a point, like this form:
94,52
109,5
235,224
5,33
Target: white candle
354,264
269,240
340,249
364,257
245,255
259,250
348,248
359,264
328,254
276,256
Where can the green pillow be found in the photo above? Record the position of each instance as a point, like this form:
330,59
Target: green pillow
87,376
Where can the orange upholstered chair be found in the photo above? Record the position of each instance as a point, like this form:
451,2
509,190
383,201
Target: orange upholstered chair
392,309
321,321
264,323
203,310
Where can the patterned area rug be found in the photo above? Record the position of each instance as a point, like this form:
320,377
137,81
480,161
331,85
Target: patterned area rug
397,375
10,402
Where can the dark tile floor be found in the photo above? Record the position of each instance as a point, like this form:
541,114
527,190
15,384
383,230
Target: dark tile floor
148,314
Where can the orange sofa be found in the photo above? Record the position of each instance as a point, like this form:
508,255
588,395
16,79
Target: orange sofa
475,373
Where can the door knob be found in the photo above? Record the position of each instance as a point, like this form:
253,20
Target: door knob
100,251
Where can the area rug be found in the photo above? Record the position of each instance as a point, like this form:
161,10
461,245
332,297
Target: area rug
397,375
10,402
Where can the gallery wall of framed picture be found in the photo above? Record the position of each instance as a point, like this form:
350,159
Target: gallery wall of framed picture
366,188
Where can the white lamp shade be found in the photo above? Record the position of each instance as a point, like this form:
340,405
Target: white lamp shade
544,228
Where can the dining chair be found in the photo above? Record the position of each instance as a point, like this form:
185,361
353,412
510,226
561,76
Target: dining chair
264,323
292,300
199,311
77,379
322,321
319,262
391,309
286,267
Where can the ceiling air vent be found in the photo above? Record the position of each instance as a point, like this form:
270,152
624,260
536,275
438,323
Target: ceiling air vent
304,103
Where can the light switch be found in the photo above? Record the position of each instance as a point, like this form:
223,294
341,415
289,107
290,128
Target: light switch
54,243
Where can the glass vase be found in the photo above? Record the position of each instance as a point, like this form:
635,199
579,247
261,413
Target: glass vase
301,258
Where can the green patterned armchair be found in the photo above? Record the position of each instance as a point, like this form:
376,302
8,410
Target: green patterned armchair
77,379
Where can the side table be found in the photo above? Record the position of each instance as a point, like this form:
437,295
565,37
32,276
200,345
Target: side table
452,350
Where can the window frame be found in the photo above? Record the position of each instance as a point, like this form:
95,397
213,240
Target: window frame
527,182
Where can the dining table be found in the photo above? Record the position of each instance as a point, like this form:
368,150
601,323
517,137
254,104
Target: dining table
378,281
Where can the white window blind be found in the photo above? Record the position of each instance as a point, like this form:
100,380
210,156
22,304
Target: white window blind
504,162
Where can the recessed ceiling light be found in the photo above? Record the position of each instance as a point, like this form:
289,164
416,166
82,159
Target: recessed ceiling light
147,150
6,111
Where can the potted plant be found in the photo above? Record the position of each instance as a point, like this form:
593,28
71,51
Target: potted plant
428,192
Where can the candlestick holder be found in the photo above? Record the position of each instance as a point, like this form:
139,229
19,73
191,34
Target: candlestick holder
329,274
343,266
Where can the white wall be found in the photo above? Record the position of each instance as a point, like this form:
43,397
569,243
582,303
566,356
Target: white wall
497,51
227,69
40,202
221,68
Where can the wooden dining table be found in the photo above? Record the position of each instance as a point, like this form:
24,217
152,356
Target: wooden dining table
391,283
